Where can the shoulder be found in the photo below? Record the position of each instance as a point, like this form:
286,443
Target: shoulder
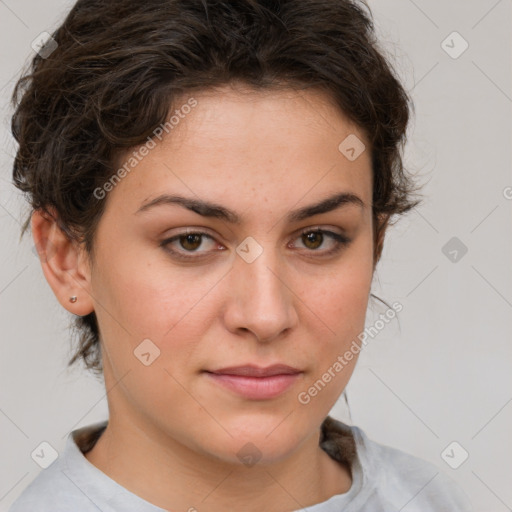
59,487
389,478
406,480
53,491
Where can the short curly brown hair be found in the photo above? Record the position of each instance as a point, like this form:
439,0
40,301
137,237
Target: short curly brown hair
118,67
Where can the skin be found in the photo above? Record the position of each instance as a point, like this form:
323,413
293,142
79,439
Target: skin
261,154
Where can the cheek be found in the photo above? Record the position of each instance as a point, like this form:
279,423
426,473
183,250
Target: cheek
341,318
147,294
340,298
349,301
341,308
340,302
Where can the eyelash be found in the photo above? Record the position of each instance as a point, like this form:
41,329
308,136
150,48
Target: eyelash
341,242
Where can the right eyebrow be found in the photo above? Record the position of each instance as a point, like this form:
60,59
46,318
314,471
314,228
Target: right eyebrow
214,210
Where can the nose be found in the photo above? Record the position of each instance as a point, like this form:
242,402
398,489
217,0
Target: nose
260,298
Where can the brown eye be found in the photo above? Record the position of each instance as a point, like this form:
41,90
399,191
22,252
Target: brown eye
190,245
190,242
315,238
184,245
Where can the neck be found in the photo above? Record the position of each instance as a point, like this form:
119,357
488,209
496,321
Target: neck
173,476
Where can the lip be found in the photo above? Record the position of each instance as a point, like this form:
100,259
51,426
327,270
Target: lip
256,383
250,370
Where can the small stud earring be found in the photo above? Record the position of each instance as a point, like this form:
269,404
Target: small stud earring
74,298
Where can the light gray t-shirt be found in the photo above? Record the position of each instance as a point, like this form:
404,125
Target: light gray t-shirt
384,479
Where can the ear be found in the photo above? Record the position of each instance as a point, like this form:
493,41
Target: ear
380,232
64,263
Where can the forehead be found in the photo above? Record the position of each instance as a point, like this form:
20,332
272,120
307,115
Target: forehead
251,146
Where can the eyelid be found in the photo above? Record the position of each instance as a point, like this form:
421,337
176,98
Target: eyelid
340,240
203,230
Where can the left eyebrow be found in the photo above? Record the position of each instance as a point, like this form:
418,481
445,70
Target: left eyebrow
209,209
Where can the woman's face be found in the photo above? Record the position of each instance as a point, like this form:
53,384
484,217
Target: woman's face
254,292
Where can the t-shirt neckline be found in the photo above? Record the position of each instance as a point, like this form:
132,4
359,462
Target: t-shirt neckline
340,441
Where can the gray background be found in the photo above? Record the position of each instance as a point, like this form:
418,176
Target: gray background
440,374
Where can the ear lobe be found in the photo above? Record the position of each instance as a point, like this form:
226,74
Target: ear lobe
61,261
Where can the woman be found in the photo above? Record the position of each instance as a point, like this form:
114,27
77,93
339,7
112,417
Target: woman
211,183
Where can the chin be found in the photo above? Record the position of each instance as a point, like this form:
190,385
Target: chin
265,442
